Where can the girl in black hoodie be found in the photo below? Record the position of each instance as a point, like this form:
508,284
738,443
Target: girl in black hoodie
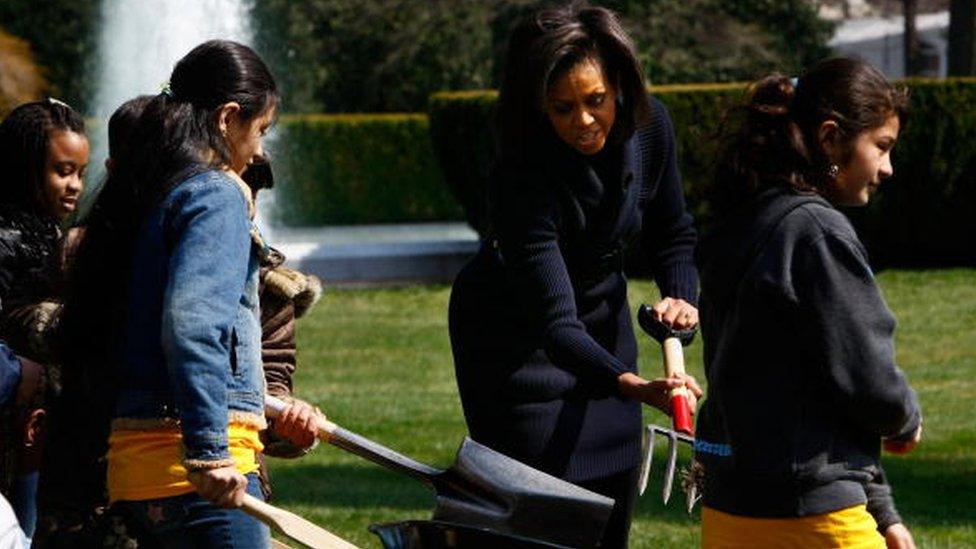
799,349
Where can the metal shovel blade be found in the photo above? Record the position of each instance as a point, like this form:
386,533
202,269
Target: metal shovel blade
526,501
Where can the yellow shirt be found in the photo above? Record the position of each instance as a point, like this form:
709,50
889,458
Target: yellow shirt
146,464
850,528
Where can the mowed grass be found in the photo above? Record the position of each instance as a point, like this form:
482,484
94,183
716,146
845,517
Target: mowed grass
378,361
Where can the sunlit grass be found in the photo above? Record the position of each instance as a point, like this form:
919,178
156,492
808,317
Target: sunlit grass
378,362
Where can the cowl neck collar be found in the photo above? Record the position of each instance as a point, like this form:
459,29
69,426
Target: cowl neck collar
589,177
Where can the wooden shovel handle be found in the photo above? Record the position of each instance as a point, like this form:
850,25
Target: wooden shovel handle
361,446
287,523
265,512
274,407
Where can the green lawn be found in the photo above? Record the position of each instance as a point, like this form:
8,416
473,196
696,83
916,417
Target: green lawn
378,362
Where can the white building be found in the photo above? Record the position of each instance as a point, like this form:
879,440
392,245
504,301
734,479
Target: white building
880,40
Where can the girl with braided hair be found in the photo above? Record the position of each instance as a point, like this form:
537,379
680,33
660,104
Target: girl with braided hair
43,158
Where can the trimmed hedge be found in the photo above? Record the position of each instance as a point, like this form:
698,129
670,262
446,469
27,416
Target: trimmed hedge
357,169
924,216
460,125
460,128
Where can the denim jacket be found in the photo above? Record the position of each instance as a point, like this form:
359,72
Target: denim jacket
9,374
190,351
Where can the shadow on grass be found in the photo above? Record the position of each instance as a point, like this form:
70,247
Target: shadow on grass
929,491
351,486
934,491
651,508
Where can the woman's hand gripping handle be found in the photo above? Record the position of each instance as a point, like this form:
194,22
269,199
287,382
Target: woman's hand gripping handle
682,400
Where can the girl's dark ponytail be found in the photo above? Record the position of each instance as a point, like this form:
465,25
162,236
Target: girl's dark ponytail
772,96
175,135
761,141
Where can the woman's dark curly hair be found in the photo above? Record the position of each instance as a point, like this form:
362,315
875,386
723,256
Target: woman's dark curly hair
772,139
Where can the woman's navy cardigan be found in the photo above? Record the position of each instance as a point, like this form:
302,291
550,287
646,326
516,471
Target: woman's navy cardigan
539,319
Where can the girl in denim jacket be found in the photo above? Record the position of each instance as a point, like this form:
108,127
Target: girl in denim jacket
162,312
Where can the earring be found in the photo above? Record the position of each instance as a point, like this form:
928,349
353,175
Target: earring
833,170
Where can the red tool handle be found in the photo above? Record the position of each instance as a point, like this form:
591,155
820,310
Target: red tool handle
674,362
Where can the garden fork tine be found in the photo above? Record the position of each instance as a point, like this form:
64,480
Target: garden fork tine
691,495
670,468
648,455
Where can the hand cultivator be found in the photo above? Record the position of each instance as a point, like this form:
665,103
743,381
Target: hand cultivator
673,438
683,429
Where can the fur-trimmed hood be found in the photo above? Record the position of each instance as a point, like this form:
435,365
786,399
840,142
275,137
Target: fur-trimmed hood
303,290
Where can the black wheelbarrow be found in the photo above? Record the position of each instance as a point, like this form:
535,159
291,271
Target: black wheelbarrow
432,534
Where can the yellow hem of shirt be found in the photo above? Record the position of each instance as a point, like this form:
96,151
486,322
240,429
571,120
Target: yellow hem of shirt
147,464
850,528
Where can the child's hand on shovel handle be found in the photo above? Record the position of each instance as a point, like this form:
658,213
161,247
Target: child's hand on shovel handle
656,392
298,424
897,536
900,447
222,486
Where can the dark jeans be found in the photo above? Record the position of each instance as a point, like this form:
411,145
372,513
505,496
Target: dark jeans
189,521
622,487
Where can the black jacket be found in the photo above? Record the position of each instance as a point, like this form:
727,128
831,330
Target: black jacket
539,319
799,356
30,282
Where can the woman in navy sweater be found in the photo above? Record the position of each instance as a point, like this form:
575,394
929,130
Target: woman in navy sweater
544,349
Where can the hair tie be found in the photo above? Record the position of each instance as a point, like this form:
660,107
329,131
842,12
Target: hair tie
167,90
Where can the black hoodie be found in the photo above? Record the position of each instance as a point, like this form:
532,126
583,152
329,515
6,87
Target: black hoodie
799,356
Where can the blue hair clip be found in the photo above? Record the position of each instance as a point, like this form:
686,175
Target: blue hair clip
795,82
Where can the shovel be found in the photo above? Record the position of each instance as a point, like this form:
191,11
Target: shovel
488,489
